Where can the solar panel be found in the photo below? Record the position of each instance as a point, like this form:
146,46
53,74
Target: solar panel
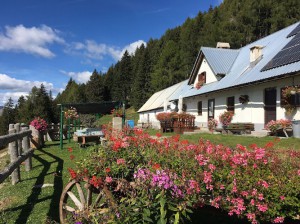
294,31
290,53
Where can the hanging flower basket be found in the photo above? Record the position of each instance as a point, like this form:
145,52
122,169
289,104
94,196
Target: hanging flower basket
243,99
287,98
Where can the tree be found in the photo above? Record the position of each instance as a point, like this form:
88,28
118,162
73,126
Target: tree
7,117
94,88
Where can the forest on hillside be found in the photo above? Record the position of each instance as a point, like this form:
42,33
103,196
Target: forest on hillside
162,62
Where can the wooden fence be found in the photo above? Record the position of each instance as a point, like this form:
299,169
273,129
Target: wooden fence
18,141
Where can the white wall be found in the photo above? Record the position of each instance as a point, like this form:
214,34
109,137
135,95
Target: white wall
210,76
143,117
253,111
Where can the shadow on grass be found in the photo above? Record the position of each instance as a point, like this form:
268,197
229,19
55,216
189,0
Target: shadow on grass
33,199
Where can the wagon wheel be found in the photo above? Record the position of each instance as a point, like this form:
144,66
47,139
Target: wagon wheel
78,198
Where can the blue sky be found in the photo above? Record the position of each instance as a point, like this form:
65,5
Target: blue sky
49,41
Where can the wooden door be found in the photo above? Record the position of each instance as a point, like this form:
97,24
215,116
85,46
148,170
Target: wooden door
270,104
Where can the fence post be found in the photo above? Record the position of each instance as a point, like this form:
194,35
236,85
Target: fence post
11,127
15,175
18,130
26,147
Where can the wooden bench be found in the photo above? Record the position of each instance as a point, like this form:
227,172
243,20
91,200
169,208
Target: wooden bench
237,128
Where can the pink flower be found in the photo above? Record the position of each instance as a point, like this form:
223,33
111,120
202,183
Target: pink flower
278,220
207,177
120,161
244,193
262,207
282,198
212,167
265,184
222,187
108,179
298,172
261,197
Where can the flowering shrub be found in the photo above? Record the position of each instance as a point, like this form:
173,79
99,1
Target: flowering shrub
169,177
164,116
39,124
212,124
199,85
273,126
71,113
226,117
117,112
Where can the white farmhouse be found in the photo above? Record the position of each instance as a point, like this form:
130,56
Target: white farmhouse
247,81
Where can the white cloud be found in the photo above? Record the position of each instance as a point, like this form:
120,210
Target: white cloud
32,40
14,95
19,85
14,88
80,77
97,51
131,48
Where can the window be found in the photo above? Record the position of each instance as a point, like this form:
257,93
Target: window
230,104
211,108
200,108
202,78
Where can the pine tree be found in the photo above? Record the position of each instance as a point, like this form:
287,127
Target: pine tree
94,88
7,117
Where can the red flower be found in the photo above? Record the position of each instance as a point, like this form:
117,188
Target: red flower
158,134
107,170
156,166
72,157
70,149
269,145
96,182
72,173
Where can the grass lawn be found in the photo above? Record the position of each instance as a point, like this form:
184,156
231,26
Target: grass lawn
233,140
26,203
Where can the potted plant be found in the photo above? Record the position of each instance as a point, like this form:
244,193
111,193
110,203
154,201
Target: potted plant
41,126
226,118
212,124
287,99
243,99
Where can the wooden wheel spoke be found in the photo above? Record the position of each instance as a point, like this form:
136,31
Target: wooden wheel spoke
98,199
80,192
89,196
75,200
69,208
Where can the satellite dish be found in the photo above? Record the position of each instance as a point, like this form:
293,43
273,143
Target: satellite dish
172,106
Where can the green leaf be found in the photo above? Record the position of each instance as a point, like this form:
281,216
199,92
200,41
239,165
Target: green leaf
176,218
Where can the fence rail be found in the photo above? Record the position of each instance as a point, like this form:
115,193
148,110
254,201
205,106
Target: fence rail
18,140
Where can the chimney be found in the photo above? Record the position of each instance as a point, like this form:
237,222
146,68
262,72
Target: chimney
223,45
255,53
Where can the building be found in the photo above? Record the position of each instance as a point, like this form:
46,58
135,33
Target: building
248,81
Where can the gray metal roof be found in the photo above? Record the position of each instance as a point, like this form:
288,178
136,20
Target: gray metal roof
219,59
157,99
242,73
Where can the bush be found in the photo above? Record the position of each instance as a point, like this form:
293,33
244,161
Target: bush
226,118
169,177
